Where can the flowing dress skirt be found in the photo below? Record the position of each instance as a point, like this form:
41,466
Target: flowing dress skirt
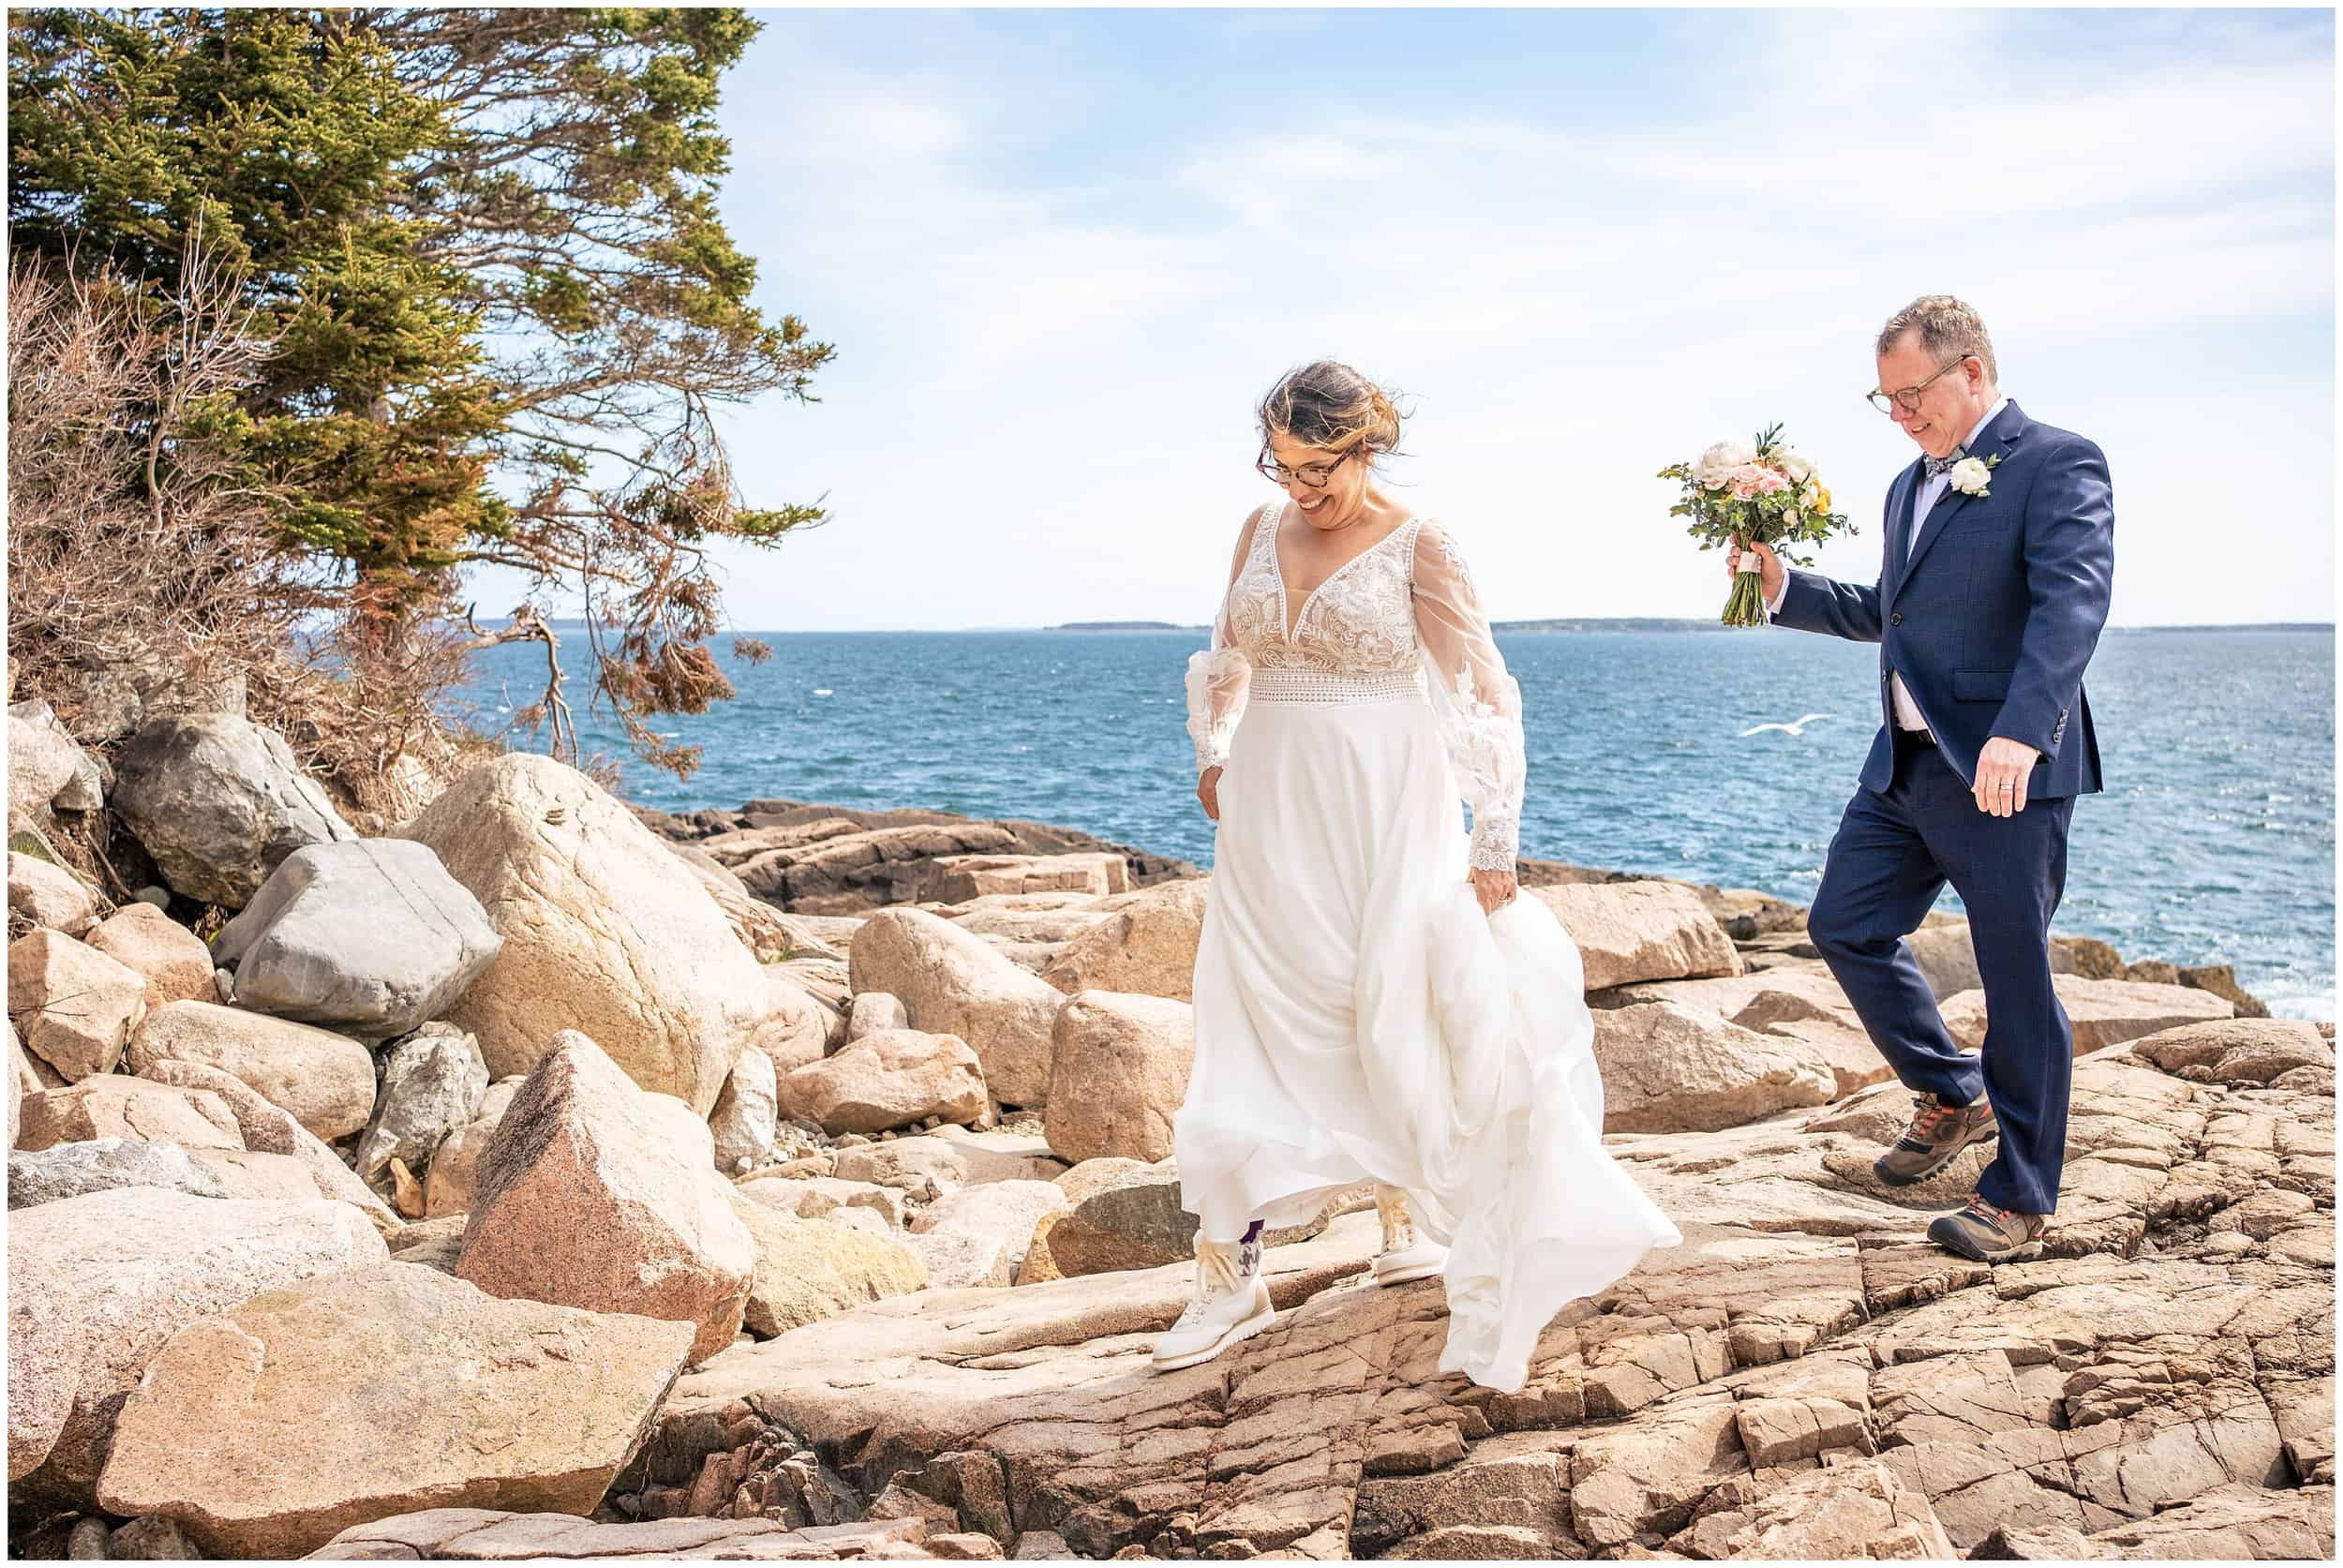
1358,1017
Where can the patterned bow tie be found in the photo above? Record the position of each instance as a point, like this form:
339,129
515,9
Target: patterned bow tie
1939,464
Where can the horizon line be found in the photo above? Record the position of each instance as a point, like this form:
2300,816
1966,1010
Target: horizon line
569,624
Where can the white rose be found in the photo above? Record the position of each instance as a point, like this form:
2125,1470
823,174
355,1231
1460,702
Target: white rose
1717,464
1800,467
1970,476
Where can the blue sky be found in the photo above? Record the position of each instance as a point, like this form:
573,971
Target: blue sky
1060,254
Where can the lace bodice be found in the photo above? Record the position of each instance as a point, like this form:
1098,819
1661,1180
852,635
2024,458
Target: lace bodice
1402,611
1358,622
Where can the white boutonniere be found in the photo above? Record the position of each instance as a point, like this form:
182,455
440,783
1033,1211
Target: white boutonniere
1973,477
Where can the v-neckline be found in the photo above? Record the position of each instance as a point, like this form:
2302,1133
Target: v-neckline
1277,566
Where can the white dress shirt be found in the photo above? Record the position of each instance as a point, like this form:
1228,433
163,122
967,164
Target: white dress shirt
1932,488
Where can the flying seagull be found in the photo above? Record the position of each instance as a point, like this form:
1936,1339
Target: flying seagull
1797,728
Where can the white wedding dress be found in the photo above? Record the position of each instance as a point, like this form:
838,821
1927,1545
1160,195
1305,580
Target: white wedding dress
1357,1016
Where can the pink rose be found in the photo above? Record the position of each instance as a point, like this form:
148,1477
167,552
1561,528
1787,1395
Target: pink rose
1770,482
1748,480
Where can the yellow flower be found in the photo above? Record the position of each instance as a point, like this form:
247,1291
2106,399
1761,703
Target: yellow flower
1817,500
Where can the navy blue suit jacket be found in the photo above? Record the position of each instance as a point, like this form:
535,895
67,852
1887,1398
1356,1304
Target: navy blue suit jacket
1991,614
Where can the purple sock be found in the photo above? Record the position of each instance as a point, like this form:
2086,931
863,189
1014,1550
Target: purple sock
1252,1232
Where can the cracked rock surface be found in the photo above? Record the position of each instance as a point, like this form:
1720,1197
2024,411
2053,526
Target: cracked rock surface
1805,1376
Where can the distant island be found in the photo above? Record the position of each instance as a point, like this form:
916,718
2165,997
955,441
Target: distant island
1125,626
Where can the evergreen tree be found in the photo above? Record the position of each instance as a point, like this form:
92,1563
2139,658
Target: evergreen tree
485,245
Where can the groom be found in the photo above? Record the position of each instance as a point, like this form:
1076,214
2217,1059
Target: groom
1999,557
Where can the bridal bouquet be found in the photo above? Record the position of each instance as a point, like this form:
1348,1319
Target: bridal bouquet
1757,493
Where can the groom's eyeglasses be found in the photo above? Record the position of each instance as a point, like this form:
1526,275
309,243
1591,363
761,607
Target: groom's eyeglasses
1315,476
1909,398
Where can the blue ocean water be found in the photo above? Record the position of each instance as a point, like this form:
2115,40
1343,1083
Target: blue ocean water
2214,842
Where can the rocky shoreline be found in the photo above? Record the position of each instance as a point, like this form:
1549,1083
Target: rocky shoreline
541,1176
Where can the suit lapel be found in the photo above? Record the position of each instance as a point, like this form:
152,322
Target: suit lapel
1997,440
1900,497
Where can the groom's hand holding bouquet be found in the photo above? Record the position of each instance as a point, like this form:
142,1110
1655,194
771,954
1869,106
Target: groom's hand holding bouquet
1771,575
1761,494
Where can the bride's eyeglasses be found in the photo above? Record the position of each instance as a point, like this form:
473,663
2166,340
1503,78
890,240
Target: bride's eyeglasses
1315,476
1909,398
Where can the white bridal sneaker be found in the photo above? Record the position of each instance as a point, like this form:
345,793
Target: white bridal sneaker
1406,1255
1231,1304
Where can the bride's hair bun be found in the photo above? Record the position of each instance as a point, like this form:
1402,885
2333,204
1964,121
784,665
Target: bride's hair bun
1327,405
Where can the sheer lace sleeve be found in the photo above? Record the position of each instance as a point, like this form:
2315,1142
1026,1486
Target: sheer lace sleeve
1219,676
1478,702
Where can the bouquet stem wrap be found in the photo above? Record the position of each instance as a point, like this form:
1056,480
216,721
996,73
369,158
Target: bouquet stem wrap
1747,605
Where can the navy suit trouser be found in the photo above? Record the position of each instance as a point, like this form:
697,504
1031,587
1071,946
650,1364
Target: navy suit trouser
1892,855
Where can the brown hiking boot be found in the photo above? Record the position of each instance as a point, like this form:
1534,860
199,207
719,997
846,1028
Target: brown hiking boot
1938,1132
1989,1234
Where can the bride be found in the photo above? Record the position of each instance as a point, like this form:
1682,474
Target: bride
1374,1002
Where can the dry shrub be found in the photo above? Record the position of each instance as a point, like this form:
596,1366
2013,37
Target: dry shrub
142,555
134,549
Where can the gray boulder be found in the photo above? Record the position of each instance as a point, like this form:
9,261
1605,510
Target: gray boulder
219,802
748,1111
373,937
100,1165
41,764
153,1539
139,679
433,1082
85,791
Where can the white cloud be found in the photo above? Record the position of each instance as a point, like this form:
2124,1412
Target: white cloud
1053,326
